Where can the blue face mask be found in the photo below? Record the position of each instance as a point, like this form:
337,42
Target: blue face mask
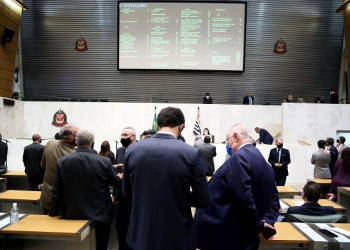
228,149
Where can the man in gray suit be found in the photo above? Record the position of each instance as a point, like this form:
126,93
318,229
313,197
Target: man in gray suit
321,159
208,152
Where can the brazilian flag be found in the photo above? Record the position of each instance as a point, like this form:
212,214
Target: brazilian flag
154,126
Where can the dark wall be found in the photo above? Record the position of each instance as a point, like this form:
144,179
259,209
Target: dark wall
52,68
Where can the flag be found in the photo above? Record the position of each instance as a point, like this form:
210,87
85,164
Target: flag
154,126
197,125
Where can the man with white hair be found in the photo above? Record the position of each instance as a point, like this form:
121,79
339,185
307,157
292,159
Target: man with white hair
244,198
55,149
81,187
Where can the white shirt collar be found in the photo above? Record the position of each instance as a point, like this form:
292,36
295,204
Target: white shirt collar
244,145
166,132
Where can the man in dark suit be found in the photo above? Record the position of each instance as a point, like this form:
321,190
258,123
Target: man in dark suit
207,99
158,175
128,137
312,192
333,152
264,136
248,99
81,187
31,158
243,198
279,159
208,152
3,152
334,97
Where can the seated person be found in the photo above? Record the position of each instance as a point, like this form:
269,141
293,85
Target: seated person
312,192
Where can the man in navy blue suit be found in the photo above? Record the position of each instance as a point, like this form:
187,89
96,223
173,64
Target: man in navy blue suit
279,159
333,152
243,201
264,136
158,175
312,192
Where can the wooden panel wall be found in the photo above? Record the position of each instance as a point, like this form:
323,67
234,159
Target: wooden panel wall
10,16
346,13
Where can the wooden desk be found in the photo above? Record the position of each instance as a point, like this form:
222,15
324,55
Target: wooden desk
343,198
286,237
16,180
24,198
321,181
322,202
287,192
52,233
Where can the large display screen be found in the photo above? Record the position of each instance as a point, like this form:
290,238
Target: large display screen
181,35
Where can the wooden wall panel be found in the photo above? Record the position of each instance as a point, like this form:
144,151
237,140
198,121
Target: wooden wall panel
346,13
10,16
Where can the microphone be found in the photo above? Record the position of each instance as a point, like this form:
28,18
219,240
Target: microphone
117,142
6,140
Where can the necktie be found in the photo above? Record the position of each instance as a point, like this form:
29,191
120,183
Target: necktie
279,155
250,101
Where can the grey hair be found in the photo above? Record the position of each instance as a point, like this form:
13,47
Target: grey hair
241,130
85,137
66,131
133,131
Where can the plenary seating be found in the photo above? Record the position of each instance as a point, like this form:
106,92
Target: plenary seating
334,218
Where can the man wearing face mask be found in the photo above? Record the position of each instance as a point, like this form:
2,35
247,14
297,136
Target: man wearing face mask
279,159
163,179
54,150
244,199
128,137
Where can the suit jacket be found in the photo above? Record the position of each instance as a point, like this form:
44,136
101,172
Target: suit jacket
207,101
265,137
334,157
311,209
246,100
284,160
208,152
242,194
340,150
158,175
334,98
54,150
120,155
81,187
3,153
32,157
321,161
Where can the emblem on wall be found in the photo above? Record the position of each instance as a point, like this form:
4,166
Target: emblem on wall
280,47
59,118
81,44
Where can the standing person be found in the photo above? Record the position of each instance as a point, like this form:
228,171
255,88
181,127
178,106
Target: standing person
31,158
248,99
128,137
290,98
333,152
81,188
207,99
333,97
54,150
3,152
244,198
321,159
106,151
341,146
158,175
341,174
264,136
279,159
208,152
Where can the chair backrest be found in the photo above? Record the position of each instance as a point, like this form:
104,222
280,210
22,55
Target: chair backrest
333,218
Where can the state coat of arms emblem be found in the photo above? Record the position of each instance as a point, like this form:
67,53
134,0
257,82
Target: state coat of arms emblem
81,44
59,118
280,47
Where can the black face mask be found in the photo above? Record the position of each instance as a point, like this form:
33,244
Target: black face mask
125,142
280,146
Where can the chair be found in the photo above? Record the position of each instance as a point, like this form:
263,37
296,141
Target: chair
333,218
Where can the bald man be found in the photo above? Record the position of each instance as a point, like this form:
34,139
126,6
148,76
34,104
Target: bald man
244,198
